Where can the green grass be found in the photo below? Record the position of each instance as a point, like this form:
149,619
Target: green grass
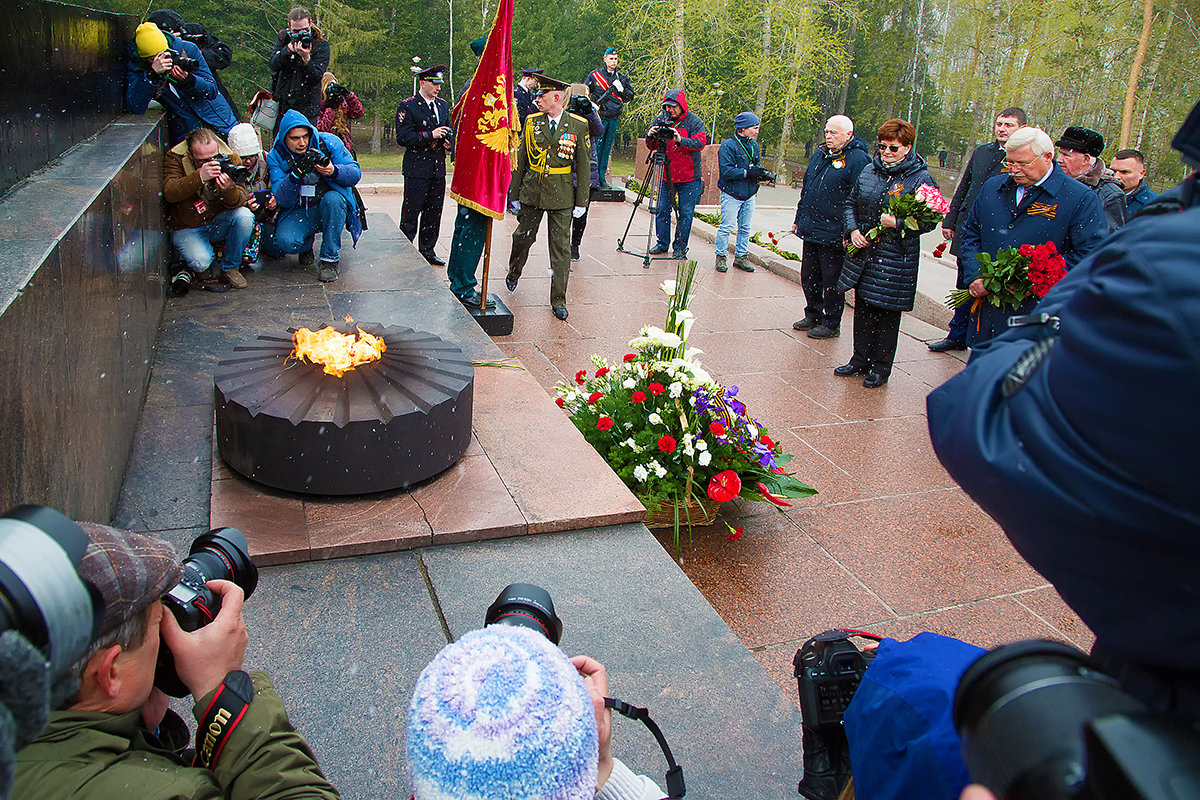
381,160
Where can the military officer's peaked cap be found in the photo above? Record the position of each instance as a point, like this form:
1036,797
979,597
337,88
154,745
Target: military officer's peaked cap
548,84
433,74
533,71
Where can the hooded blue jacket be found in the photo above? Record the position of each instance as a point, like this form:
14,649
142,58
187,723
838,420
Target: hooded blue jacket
287,189
193,103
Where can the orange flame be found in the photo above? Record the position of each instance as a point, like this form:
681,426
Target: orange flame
336,352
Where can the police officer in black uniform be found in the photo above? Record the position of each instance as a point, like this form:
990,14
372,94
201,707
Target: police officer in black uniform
423,130
524,92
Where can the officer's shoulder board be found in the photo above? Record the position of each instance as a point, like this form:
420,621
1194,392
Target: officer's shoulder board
576,116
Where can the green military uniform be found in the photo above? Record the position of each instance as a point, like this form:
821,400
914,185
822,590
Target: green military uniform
553,174
86,754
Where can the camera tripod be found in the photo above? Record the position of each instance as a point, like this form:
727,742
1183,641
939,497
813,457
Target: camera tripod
658,170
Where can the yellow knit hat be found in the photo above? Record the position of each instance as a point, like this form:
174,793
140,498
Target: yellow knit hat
150,40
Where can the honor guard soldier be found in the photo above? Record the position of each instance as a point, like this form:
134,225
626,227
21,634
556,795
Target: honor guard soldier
423,130
524,91
552,175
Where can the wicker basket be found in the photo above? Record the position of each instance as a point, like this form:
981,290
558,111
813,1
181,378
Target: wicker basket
662,515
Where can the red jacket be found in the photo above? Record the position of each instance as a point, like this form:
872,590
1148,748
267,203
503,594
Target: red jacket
683,156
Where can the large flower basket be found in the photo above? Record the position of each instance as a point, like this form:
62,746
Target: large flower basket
663,514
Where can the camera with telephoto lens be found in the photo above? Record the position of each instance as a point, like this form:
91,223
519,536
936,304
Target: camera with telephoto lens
525,605
42,596
236,172
220,554
302,37
336,92
1039,720
580,104
303,163
186,64
828,670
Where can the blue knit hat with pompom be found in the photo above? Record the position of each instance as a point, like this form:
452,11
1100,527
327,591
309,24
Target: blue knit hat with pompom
501,713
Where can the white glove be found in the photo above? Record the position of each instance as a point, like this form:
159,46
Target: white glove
620,88
579,211
515,205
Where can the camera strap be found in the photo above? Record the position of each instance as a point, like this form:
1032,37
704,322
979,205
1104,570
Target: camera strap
675,784
222,717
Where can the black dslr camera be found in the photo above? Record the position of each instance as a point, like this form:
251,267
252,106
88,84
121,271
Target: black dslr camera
828,670
186,64
336,92
303,163
580,105
758,172
220,554
1038,720
236,172
303,37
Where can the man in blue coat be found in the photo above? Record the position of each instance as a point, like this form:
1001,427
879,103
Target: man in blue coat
738,175
190,95
1033,204
1130,168
1080,439
986,162
313,177
831,172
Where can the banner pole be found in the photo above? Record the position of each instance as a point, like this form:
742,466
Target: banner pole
487,262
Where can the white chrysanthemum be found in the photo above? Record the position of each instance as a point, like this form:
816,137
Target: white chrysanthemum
675,389
701,445
655,419
641,473
705,458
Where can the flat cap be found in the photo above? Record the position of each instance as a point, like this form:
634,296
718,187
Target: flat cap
129,570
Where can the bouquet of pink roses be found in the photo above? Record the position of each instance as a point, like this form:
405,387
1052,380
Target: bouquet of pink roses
925,206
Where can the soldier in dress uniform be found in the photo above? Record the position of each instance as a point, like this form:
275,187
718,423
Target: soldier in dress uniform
423,130
523,92
553,175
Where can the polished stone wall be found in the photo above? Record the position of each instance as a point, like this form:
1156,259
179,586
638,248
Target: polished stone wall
62,79
82,249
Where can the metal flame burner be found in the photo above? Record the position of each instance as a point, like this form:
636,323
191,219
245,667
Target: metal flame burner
383,426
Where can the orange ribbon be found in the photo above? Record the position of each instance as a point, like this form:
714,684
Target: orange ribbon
975,311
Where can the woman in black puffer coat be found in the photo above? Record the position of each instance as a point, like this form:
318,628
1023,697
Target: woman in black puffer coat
883,273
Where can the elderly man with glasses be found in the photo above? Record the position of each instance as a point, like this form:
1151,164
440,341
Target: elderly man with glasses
1035,203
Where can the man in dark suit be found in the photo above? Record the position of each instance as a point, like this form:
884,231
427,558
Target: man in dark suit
523,93
423,130
1035,203
986,162
553,155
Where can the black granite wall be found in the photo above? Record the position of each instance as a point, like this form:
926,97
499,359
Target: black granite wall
82,245
62,79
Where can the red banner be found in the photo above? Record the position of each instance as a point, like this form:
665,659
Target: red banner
486,120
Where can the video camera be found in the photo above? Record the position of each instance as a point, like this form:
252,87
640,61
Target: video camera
303,163
186,64
336,92
525,605
828,669
661,132
304,37
580,104
236,172
220,554
1039,720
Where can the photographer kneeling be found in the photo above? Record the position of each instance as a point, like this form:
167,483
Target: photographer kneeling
739,175
118,738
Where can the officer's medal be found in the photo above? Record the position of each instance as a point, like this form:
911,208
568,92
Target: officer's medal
566,146
838,163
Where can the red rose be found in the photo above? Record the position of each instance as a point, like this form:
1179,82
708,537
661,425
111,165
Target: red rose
560,402
656,389
733,537
667,444
766,440
1039,253
1051,249
639,396
579,376
604,424
630,357
600,373
594,397
724,486
1026,250
716,429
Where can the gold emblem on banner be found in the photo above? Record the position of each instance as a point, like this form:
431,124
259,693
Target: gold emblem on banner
493,127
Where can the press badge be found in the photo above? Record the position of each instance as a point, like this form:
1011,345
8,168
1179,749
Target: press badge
200,207
308,190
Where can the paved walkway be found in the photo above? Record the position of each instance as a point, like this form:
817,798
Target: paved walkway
890,544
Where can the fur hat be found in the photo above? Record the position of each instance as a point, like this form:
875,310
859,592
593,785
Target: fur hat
501,714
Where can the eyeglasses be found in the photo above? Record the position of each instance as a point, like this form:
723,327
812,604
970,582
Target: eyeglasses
1008,162
895,148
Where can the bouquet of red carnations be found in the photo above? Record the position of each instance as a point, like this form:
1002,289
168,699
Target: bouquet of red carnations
1015,275
925,206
